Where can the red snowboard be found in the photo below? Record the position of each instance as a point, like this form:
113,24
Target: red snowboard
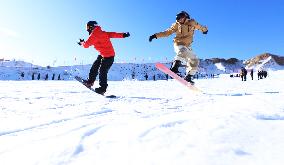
166,70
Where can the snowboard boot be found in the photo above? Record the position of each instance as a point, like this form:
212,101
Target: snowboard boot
100,90
188,78
88,83
174,68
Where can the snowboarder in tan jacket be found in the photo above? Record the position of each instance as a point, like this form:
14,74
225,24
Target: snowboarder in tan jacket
184,28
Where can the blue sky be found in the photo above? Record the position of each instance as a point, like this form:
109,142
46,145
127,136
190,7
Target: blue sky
45,32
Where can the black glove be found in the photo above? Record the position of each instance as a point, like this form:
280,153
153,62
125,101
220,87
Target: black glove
81,40
152,37
205,32
126,35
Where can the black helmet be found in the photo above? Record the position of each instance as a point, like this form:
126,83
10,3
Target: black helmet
182,14
91,25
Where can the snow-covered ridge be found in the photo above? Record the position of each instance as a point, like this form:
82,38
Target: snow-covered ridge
265,61
20,70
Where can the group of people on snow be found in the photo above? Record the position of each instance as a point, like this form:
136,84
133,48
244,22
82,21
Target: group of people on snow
260,74
184,28
39,77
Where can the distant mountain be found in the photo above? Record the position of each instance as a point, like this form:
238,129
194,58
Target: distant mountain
20,70
14,63
265,61
231,61
220,65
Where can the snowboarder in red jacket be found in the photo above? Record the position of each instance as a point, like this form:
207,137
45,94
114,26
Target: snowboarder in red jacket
101,42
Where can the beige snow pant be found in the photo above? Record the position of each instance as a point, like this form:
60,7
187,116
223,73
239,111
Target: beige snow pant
186,54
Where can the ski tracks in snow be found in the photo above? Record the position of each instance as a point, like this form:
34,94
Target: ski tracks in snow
72,125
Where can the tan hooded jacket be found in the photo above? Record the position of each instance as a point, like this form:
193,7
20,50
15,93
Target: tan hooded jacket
184,32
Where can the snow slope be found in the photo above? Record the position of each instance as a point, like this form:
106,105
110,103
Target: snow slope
18,70
151,122
117,72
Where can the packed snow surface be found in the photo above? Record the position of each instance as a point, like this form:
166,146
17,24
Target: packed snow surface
149,123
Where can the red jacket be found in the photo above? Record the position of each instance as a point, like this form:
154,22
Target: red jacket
101,41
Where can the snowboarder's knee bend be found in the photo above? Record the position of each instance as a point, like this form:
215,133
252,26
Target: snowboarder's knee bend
192,66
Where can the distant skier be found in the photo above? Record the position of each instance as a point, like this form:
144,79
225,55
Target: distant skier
251,74
22,75
244,74
264,73
184,28
259,75
46,77
53,76
101,42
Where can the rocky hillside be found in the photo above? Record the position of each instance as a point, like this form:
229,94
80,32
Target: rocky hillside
265,61
257,59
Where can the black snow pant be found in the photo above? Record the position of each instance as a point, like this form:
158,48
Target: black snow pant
103,65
